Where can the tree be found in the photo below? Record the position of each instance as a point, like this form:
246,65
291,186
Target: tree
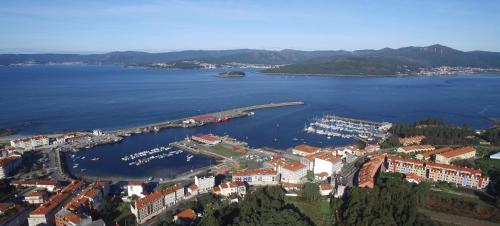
311,192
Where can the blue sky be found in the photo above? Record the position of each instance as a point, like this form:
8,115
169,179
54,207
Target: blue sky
171,25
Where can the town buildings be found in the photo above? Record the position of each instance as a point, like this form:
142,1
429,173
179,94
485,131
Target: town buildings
304,150
327,163
414,140
206,139
293,172
185,217
36,197
230,188
204,184
153,204
415,148
459,153
261,176
366,176
50,185
431,154
30,143
135,188
461,176
8,165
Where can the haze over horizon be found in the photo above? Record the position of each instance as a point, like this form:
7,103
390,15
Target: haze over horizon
165,26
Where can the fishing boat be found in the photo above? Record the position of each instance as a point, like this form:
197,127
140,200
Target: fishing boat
189,157
95,159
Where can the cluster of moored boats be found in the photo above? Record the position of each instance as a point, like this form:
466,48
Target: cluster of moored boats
342,128
144,157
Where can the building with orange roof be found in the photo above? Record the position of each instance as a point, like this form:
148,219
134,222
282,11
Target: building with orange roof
366,175
415,148
462,176
206,138
185,217
456,154
45,213
275,163
36,197
414,140
261,176
321,176
430,154
304,150
67,218
325,189
308,160
50,185
413,178
153,204
293,172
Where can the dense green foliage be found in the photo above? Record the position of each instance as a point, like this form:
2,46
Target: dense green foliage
311,192
492,135
392,202
435,131
265,206
6,190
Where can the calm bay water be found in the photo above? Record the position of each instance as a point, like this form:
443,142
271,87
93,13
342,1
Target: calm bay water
47,99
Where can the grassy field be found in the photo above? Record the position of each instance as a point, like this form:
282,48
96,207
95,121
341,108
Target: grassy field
220,149
319,212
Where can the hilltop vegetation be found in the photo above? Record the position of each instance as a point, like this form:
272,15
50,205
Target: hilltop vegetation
386,61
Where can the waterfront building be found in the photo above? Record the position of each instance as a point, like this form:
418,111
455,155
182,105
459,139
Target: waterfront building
36,197
260,176
304,150
327,163
366,175
415,148
229,188
204,184
8,165
459,153
30,143
206,139
462,176
414,140
431,154
153,204
293,172
135,188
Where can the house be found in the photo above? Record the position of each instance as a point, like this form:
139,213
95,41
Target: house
185,217
68,218
293,172
229,188
260,176
372,148
308,160
426,156
135,188
456,154
36,197
206,139
414,140
275,163
304,150
415,148
323,176
325,189
8,165
153,204
204,184
327,163
413,178
49,185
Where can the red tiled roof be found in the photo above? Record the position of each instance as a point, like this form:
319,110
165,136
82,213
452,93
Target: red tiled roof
417,147
322,174
187,214
458,151
412,176
294,166
207,137
306,148
326,186
50,204
437,151
261,171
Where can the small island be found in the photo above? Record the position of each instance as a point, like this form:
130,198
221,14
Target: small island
231,74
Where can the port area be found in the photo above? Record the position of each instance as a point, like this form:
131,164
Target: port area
363,130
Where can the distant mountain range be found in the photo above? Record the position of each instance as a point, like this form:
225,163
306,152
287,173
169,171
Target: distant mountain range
385,61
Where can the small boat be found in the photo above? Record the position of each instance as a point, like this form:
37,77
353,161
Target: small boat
84,157
189,157
83,170
95,159
75,167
